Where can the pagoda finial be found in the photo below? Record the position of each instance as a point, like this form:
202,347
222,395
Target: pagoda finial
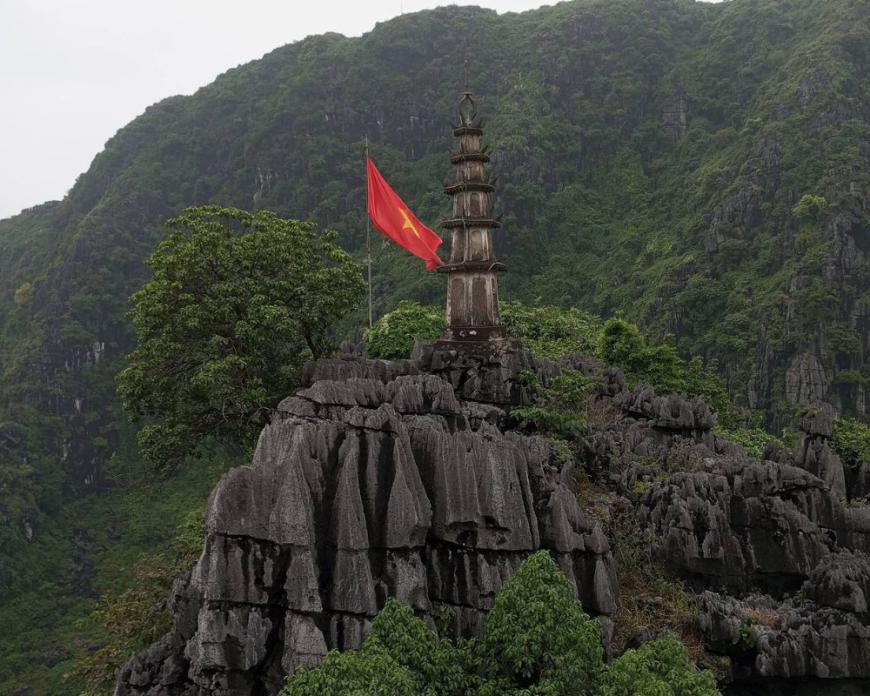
467,109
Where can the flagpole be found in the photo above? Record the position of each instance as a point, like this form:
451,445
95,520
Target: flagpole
368,235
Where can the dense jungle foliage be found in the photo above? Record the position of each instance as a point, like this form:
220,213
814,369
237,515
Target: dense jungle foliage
702,168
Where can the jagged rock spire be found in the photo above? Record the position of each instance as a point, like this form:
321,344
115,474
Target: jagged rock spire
472,288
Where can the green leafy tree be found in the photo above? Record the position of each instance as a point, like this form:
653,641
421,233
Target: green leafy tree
621,343
355,673
237,301
393,335
537,639
400,655
658,668
537,642
810,206
851,441
440,666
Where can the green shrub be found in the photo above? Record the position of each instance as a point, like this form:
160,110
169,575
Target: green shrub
752,440
393,335
354,673
621,344
400,655
538,636
560,410
851,441
406,639
551,332
658,668
810,206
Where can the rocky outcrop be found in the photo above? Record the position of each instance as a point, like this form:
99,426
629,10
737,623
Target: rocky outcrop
375,481
805,380
490,372
742,524
822,632
813,452
404,479
779,561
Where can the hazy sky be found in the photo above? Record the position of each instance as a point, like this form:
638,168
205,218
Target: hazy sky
72,72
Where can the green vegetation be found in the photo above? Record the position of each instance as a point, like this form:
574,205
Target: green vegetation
699,166
55,618
556,333
394,334
851,441
621,344
538,636
551,332
659,668
236,303
562,406
136,617
753,440
537,640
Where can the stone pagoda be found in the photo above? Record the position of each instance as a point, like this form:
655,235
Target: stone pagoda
472,286
474,353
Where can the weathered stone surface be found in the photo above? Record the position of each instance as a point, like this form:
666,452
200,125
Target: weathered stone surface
822,634
671,412
858,528
400,479
744,524
813,453
805,380
371,482
488,372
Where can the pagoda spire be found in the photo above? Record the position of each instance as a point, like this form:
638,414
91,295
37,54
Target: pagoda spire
472,287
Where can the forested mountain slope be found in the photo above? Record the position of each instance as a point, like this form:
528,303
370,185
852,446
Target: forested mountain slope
702,168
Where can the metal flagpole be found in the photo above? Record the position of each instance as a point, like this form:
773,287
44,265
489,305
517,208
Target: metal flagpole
368,234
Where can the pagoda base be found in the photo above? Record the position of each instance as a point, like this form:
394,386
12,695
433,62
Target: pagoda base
473,334
491,371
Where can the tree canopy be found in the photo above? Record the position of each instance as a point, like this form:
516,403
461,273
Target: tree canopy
236,303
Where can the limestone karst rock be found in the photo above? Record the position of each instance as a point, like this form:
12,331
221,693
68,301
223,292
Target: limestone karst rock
401,479
821,632
375,481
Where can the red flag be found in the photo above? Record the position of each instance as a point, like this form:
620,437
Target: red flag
393,218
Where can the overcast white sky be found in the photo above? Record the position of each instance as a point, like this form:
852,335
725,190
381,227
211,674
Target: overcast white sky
72,72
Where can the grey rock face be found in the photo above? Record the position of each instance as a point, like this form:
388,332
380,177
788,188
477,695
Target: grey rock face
813,453
487,372
822,633
400,479
805,380
375,481
743,524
